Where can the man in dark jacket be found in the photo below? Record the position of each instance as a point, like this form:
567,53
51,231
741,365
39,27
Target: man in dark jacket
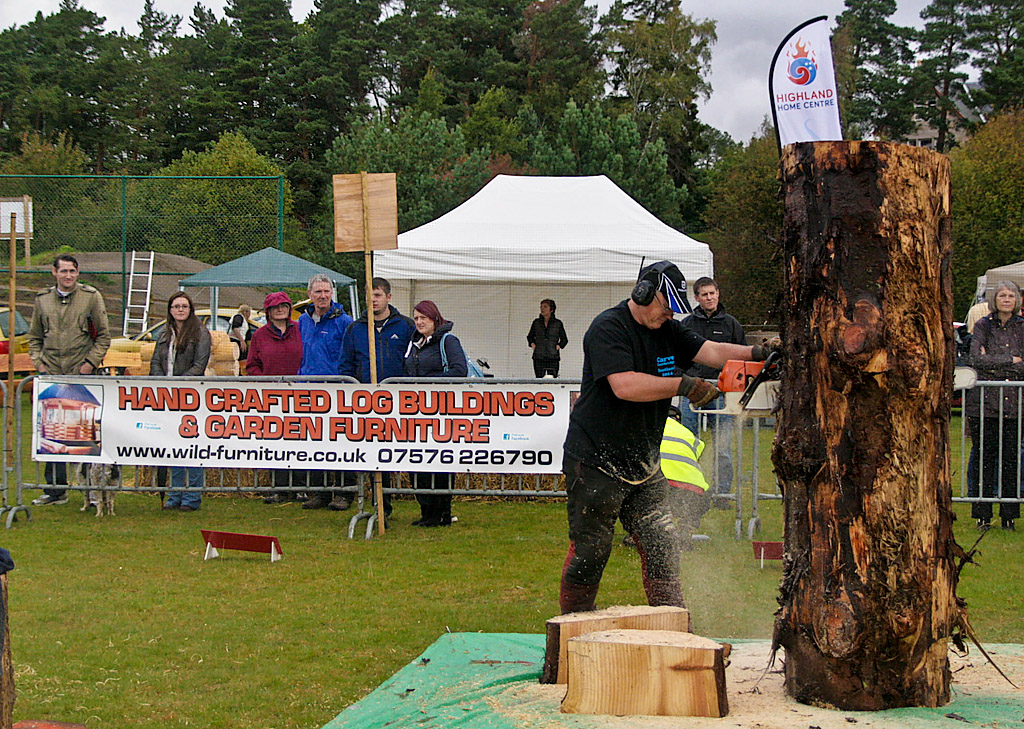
392,332
711,321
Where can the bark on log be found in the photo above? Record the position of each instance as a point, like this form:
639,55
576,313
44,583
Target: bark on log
868,599
634,617
646,673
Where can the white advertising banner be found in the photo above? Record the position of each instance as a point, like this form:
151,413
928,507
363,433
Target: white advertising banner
479,428
802,85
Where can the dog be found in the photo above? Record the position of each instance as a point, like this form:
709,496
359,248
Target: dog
100,474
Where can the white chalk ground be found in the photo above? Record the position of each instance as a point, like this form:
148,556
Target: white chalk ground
757,702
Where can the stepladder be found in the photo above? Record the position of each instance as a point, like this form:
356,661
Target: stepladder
140,289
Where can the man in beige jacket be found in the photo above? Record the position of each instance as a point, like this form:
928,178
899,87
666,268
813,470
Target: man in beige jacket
68,336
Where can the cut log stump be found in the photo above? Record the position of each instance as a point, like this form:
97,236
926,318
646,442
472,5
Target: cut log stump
646,673
634,617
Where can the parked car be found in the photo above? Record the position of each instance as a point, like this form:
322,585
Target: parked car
152,334
20,343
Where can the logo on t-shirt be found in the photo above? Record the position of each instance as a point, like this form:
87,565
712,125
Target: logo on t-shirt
666,365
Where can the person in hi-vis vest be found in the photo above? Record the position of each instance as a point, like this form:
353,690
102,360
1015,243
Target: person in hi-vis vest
688,499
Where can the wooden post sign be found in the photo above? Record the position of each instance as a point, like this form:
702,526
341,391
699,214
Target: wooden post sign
366,219
379,222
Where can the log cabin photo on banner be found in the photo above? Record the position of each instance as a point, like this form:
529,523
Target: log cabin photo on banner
802,86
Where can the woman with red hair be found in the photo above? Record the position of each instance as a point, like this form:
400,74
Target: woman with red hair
434,352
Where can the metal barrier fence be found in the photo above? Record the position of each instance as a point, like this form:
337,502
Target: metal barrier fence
746,463
997,439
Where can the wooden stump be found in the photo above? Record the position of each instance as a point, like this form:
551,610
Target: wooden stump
646,673
636,617
862,450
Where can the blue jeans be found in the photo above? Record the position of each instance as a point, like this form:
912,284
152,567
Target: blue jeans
183,477
722,426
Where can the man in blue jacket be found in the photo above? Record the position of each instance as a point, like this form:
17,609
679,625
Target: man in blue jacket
322,326
393,332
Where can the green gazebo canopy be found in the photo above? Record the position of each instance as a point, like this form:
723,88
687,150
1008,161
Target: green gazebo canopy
268,267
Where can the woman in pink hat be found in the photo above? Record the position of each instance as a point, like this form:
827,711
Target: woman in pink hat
276,349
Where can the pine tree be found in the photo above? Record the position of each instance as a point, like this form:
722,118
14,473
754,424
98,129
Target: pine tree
207,108
659,61
944,51
876,87
262,32
587,141
996,37
62,93
560,56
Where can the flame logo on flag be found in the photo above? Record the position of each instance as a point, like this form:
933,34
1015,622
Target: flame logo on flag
802,69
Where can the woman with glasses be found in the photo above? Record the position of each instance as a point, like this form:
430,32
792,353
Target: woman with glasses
183,350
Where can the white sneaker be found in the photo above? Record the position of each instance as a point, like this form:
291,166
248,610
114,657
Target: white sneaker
47,500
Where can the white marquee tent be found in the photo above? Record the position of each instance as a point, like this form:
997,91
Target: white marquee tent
489,262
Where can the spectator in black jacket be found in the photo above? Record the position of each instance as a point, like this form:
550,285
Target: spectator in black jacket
433,352
711,321
547,339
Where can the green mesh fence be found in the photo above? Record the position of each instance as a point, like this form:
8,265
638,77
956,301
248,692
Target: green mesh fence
210,219
101,219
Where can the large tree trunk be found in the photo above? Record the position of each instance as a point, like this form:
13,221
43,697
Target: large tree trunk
862,451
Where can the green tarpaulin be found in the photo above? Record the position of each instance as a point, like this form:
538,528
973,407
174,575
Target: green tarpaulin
489,681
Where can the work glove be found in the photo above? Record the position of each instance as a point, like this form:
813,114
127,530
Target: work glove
760,352
699,392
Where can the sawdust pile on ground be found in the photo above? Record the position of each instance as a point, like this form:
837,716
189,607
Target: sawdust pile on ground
756,702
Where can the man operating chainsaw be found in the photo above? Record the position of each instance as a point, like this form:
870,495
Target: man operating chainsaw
612,449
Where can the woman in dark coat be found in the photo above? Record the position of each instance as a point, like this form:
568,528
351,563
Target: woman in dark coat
183,350
434,352
997,353
547,339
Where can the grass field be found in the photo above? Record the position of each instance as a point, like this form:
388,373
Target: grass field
120,623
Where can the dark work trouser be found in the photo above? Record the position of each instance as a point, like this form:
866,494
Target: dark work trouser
595,501
434,508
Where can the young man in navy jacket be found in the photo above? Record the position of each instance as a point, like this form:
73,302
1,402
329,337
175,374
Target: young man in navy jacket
393,332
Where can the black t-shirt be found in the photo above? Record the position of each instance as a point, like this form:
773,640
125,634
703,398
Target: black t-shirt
620,437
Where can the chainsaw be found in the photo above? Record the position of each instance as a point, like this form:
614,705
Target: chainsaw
752,388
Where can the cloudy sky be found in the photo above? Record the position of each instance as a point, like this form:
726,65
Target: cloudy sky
749,31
